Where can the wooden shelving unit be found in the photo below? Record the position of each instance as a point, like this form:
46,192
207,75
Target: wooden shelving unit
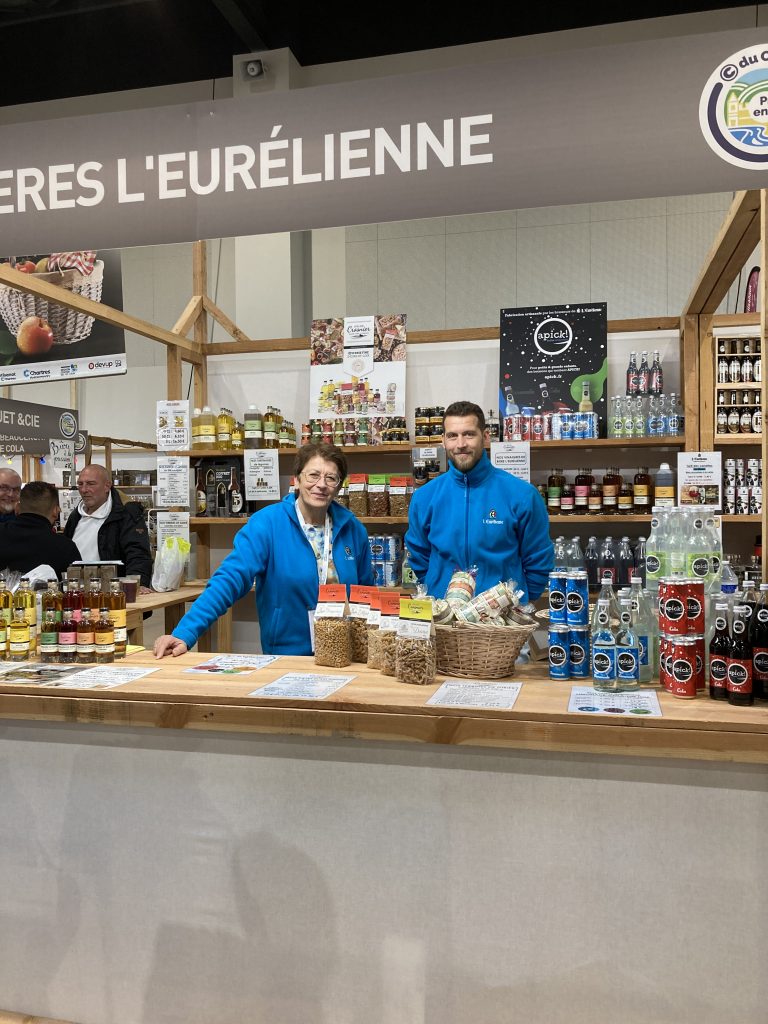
640,518
742,440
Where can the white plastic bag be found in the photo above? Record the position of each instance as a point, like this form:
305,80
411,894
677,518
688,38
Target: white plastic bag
169,564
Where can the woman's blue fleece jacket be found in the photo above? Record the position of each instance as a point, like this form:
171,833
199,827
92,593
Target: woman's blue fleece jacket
272,551
485,518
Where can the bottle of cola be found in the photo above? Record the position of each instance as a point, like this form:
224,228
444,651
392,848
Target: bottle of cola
759,639
644,376
719,649
740,661
656,384
632,374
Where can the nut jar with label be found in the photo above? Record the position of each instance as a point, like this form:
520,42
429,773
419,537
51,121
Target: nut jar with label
378,495
400,490
332,638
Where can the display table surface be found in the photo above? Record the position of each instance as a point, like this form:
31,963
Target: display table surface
377,707
174,603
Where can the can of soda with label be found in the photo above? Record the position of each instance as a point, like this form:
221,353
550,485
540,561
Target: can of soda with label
391,546
578,642
559,653
683,667
579,426
698,650
375,542
729,501
741,473
673,605
756,501
753,473
577,598
557,422
537,427
377,566
513,428
557,598
566,426
694,606
547,436
664,677
525,430
742,501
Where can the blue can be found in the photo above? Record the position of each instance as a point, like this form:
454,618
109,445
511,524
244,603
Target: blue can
557,425
567,426
578,645
376,544
604,663
579,426
557,598
392,547
592,425
577,598
378,572
628,664
559,653
391,572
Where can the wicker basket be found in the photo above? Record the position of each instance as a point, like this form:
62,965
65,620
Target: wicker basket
479,652
68,325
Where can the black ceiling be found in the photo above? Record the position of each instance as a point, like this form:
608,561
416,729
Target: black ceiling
58,48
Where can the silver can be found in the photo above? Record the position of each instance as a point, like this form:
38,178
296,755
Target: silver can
729,473
756,501
741,473
742,501
729,501
753,473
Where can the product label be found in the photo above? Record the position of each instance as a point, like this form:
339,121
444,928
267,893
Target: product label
738,627
578,654
117,617
682,669
760,663
556,600
762,615
643,644
604,663
558,656
654,564
627,663
693,609
574,602
697,565
718,670
665,493
739,676
67,641
674,609
714,562
18,646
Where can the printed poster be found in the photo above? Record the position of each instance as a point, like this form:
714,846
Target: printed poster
357,369
173,481
700,478
514,457
547,354
172,426
262,475
41,341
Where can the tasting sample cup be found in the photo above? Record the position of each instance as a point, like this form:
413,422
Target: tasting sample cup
130,585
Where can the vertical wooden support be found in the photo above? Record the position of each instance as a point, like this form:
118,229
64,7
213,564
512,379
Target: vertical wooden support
762,302
26,468
108,456
707,364
690,372
200,287
173,364
38,469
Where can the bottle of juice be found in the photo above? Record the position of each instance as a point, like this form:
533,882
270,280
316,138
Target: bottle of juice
49,637
6,607
53,600
67,641
104,638
118,617
584,481
19,636
611,485
271,425
207,430
72,600
24,598
237,436
254,432
86,638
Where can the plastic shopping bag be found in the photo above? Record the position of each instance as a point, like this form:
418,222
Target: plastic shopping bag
169,564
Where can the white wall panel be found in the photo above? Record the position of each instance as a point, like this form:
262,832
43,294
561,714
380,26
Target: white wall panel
552,264
480,276
629,266
412,280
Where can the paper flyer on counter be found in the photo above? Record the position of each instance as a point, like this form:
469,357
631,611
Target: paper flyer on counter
173,433
514,457
262,475
101,677
173,481
587,700
233,664
303,686
476,693
700,478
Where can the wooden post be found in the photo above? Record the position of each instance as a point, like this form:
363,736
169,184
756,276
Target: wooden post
173,364
706,404
200,287
690,379
108,456
762,302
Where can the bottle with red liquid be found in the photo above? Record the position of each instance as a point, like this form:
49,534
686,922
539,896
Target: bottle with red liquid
632,381
584,481
719,648
740,661
612,482
71,600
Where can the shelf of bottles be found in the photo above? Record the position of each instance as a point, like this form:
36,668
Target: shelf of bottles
738,391
645,414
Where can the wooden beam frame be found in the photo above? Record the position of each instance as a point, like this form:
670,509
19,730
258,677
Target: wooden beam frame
187,319
736,239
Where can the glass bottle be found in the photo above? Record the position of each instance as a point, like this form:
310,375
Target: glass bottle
627,650
644,376
104,638
740,662
757,369
6,607
223,432
71,600
757,420
734,417
607,560
747,368
719,648
67,639
591,559
603,649
195,425
615,418
734,369
628,414
656,550
19,640
235,494
555,485
632,380
3,639
626,499
585,405
722,414
237,436
645,627
611,485
567,500
639,413
625,563
200,498
253,432
49,637
656,386
595,500
271,428
675,424
207,430
759,641
641,499
117,614
584,481
722,370
86,638
93,598
25,599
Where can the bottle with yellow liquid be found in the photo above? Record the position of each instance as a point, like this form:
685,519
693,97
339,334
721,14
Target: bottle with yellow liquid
53,600
224,430
207,430
585,405
195,436
118,617
104,638
24,598
20,640
6,607
86,638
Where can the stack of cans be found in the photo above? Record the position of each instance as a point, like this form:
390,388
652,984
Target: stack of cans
569,636
743,487
681,636
551,426
386,559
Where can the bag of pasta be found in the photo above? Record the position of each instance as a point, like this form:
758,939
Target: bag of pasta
372,628
332,643
388,625
359,609
416,654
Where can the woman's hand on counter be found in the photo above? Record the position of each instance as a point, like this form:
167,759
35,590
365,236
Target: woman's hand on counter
169,645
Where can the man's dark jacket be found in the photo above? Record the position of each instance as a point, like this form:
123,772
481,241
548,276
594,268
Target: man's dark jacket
28,541
123,535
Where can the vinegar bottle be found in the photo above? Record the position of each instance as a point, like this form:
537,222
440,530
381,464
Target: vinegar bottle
611,485
118,616
25,599
555,485
53,600
207,428
86,638
67,641
642,492
49,637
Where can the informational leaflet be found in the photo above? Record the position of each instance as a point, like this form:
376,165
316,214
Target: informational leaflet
587,700
35,674
476,693
699,478
233,664
172,524
173,481
101,677
514,457
303,686
62,455
173,432
262,475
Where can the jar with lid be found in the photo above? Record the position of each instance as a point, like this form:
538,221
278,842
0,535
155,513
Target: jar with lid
436,416
316,428
306,433
338,433
350,434
420,475
433,469
327,431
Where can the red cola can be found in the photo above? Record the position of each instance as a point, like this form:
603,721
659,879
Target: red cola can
695,606
537,427
547,436
525,431
663,669
673,605
698,650
683,668
513,428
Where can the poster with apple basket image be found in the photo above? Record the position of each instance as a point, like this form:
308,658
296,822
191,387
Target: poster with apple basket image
41,340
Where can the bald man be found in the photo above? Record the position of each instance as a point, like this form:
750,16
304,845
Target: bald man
103,527
10,489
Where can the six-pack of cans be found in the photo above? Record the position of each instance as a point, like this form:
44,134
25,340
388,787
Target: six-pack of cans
569,633
551,426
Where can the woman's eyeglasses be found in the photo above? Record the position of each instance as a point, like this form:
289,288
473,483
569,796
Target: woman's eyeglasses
332,479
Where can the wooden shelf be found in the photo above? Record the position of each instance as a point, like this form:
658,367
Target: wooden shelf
360,449
741,519
384,520
614,442
721,440
613,518
754,386
240,520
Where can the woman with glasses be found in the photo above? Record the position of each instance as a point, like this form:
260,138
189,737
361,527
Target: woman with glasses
286,549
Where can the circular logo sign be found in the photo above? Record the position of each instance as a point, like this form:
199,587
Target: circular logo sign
700,566
737,674
67,424
553,336
733,110
760,661
652,564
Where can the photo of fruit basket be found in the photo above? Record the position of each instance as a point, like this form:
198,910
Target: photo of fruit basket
68,325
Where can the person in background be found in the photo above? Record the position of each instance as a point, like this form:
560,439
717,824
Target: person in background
288,549
103,528
477,515
29,540
10,488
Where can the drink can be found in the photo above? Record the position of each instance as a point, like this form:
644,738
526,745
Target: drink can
557,597
377,565
537,427
568,428
683,667
730,472
578,642
698,650
391,546
673,605
513,428
741,473
594,425
391,572
742,501
577,598
525,430
664,677
756,501
695,606
375,542
603,663
579,426
557,420
559,653
547,436
753,473
729,504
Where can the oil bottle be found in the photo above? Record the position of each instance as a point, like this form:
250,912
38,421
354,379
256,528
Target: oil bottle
207,430
19,642
254,432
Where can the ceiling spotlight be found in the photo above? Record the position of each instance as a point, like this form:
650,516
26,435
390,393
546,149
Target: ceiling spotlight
255,68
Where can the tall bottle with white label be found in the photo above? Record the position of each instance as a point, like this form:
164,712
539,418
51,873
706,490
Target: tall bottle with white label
656,553
645,627
603,650
627,650
697,550
664,490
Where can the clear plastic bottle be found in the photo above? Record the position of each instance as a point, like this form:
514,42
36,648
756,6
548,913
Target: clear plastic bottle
645,627
603,649
615,418
574,556
626,563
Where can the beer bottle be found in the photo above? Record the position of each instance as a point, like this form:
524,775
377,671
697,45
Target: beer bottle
201,500
118,617
49,637
759,640
235,495
67,638
740,661
104,638
719,648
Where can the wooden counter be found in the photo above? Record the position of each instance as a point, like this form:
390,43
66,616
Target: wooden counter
376,707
